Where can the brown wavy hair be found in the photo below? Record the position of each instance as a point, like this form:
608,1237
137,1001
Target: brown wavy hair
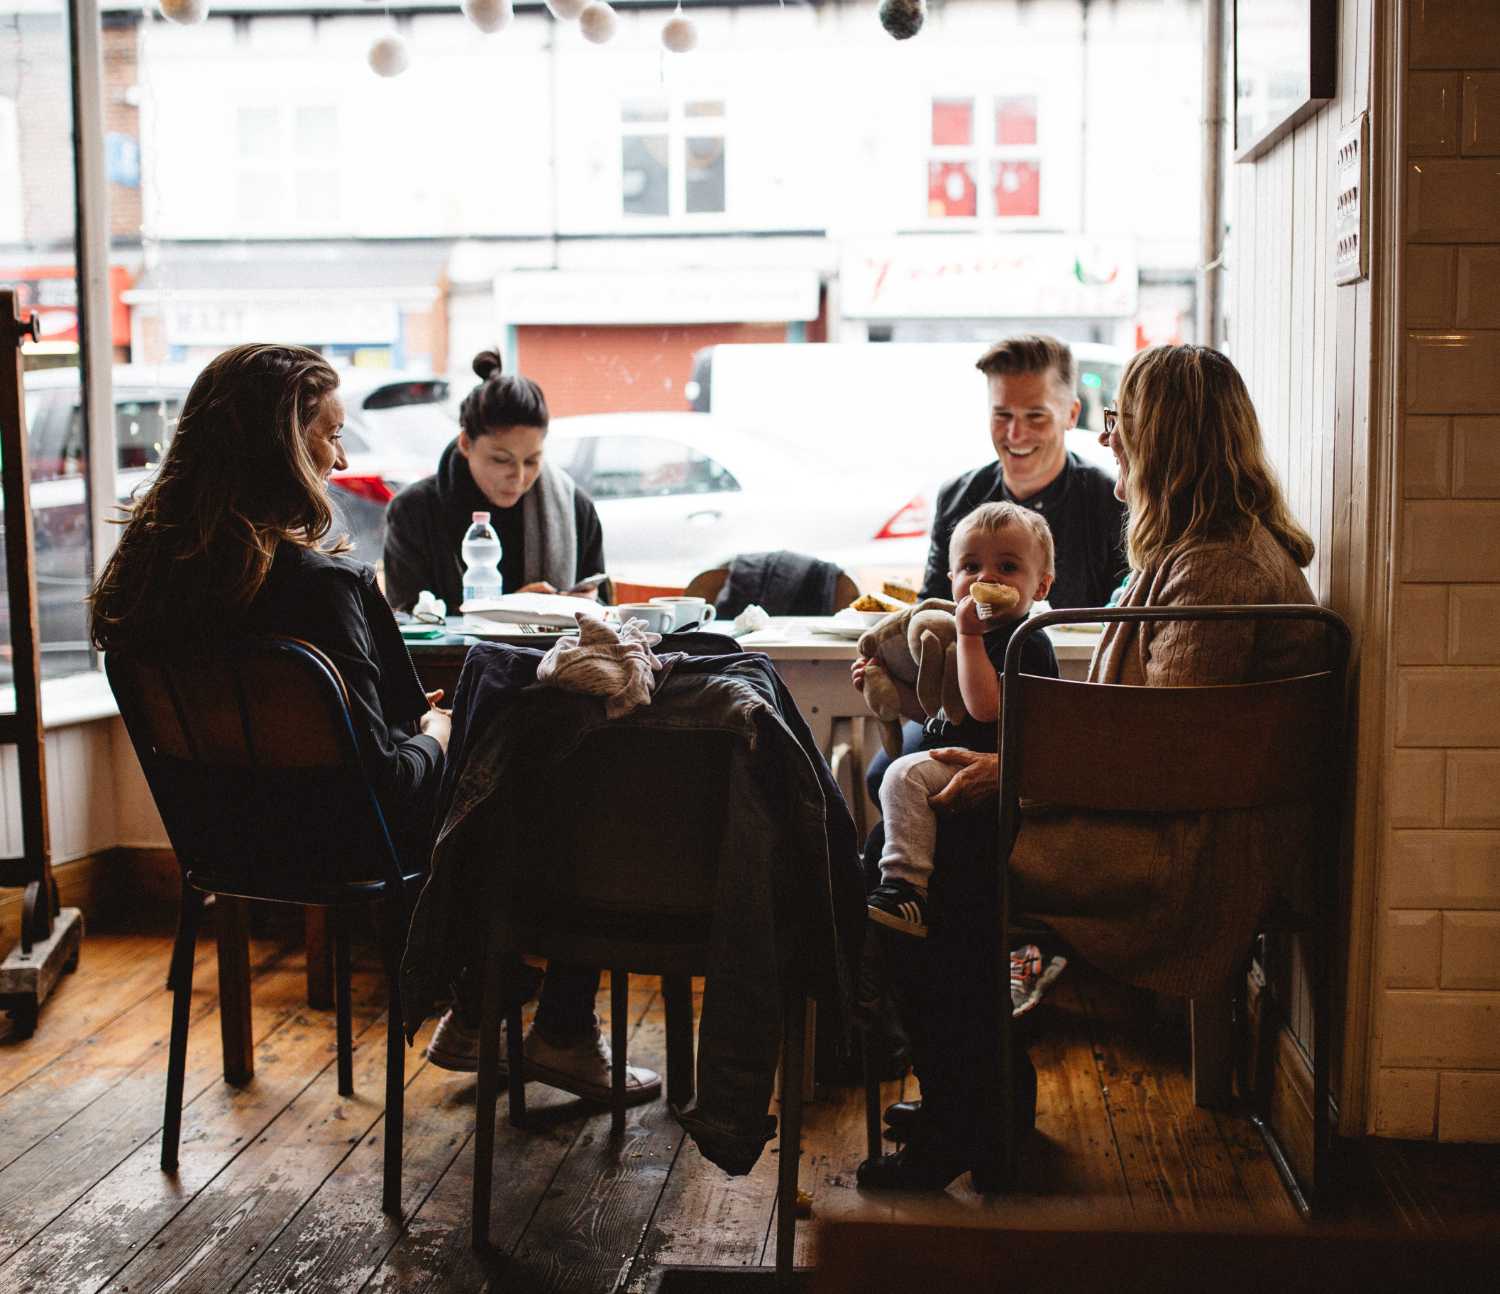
1196,463
237,479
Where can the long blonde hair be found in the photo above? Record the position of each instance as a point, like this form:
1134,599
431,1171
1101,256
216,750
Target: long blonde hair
237,479
1196,464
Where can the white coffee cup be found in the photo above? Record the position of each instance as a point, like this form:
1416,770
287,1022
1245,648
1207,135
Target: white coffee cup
687,612
658,620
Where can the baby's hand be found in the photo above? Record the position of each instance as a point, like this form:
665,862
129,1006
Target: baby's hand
967,616
857,673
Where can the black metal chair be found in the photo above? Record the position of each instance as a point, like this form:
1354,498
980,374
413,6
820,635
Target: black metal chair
631,886
1191,750
252,761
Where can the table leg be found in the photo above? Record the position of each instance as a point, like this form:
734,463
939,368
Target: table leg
232,929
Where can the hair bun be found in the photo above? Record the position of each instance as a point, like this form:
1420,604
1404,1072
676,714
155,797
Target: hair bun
488,364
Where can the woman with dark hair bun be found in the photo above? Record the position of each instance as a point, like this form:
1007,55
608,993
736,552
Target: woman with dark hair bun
550,536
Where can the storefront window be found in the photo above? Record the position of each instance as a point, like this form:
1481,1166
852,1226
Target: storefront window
37,261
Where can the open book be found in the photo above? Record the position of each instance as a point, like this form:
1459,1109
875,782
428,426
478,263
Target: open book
552,609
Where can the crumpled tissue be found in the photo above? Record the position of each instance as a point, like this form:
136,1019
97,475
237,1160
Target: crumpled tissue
429,607
749,620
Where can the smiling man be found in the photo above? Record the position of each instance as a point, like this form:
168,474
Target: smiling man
1033,402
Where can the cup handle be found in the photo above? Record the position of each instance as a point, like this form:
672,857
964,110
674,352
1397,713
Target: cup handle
709,612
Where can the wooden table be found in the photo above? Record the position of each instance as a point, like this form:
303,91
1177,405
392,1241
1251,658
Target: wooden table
814,666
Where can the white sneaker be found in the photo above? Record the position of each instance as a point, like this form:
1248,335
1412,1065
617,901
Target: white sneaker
455,1046
584,1068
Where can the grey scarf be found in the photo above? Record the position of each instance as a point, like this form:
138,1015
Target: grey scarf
549,529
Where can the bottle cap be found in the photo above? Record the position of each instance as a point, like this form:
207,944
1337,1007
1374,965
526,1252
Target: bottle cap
480,518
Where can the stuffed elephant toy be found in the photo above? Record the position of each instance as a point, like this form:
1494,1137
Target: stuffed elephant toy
913,669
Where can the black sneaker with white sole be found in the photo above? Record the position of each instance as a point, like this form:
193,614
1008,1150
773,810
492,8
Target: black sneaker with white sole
901,906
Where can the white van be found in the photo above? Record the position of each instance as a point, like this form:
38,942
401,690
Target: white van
922,407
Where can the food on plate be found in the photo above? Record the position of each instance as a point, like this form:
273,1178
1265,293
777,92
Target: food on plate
992,599
867,602
899,590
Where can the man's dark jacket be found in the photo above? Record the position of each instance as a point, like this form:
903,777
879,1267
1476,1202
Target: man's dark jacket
1088,529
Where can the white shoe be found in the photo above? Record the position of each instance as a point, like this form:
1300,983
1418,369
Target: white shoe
455,1046
585,1068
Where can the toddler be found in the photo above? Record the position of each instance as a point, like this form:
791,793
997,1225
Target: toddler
996,544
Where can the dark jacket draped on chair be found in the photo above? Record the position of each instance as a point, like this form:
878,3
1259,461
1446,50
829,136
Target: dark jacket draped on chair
789,883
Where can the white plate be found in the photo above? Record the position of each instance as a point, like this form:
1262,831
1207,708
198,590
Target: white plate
835,628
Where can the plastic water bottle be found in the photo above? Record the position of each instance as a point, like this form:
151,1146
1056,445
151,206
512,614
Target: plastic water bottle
481,554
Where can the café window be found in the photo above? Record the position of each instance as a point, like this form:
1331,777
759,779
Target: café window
672,157
984,159
285,175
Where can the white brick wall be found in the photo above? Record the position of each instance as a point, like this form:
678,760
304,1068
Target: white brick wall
1437,1015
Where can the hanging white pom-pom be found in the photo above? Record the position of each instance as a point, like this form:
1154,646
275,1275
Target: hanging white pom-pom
903,18
389,56
186,12
597,22
680,34
489,15
566,10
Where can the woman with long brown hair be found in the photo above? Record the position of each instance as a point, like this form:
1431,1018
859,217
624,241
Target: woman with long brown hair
1166,902
232,538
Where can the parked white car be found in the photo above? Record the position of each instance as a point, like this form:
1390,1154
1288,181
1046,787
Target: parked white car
679,493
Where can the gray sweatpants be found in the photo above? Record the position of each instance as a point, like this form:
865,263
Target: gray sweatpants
910,824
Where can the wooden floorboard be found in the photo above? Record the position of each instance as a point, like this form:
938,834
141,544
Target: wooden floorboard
278,1186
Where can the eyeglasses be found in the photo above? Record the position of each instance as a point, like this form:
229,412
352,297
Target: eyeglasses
1111,422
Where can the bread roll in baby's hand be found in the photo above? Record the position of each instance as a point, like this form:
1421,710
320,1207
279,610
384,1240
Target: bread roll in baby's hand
993,599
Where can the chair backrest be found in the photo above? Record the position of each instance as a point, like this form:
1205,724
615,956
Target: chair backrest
251,758
632,823
1105,747
708,585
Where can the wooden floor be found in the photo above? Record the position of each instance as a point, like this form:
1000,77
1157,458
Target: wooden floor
279,1183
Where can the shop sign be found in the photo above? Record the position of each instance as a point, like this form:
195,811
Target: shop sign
1004,277
220,321
656,296
51,293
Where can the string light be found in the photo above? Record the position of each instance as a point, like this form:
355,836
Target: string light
184,12
903,18
389,55
489,15
597,22
679,34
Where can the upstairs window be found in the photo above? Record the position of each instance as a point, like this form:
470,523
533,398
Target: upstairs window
984,158
672,157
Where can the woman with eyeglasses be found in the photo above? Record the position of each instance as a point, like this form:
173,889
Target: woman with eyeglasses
1165,902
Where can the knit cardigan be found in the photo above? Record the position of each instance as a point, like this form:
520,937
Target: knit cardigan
1170,902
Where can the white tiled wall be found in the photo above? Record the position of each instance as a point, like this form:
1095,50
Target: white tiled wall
1437,1015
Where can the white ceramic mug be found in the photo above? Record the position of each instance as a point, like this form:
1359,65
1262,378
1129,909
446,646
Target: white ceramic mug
687,613
659,620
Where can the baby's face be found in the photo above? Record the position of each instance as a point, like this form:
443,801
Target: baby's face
1010,556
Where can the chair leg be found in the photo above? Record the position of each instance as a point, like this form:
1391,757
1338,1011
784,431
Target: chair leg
795,1019
1212,1024
678,992
319,958
619,1021
489,1083
181,978
392,931
515,1047
345,1022
232,929
872,1094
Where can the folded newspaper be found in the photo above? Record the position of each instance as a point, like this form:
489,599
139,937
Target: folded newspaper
555,610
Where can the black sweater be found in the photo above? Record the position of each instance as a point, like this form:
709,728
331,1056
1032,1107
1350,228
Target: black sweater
425,526
334,604
1088,529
